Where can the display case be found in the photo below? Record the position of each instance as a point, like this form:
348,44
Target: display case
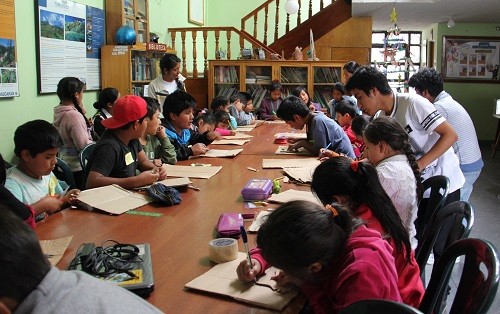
133,13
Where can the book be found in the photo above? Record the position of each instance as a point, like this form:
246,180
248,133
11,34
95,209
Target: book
222,279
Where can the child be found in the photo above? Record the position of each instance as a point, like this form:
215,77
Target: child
269,106
104,107
178,111
154,141
388,149
222,123
247,113
37,143
301,92
349,68
204,122
238,101
334,260
346,112
222,103
355,185
358,125
338,92
321,131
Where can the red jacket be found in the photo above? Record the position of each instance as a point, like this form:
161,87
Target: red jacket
364,269
409,282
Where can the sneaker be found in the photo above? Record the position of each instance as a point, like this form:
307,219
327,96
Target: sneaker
430,260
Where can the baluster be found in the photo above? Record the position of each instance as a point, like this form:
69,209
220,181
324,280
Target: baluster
321,5
217,34
228,35
205,54
277,20
265,24
287,27
172,35
255,25
298,14
183,40
195,65
310,8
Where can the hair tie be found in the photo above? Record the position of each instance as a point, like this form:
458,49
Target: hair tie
202,112
355,165
332,209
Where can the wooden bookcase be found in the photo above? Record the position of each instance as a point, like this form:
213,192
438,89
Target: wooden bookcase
254,76
134,13
129,68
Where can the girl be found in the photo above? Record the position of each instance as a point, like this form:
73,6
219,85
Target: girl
104,107
269,106
70,121
334,260
356,185
204,122
154,141
349,69
388,149
302,93
338,93
222,123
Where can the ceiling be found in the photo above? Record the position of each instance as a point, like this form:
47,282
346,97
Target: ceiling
417,15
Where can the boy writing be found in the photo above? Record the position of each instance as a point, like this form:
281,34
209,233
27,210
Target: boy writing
118,152
321,131
37,143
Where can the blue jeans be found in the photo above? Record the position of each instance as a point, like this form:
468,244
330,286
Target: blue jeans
466,190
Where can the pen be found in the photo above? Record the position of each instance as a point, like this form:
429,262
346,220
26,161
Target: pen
252,169
327,146
245,243
64,192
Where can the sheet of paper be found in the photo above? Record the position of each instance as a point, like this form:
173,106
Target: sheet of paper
259,220
222,152
293,195
229,142
246,128
205,172
289,163
275,121
283,150
302,136
113,199
222,279
54,249
237,136
302,174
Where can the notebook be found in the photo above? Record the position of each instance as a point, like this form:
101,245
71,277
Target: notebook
142,284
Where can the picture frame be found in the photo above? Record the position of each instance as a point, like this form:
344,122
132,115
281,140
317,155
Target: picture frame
471,59
196,12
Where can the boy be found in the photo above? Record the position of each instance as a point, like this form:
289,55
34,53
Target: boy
238,101
321,131
222,103
37,143
247,113
346,111
178,111
29,284
118,153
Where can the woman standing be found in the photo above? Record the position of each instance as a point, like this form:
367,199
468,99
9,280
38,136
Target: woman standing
70,121
169,80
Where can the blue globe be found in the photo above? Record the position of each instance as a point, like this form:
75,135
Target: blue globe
125,35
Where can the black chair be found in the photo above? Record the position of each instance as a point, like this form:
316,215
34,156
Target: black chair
439,187
376,306
478,283
462,216
63,172
85,154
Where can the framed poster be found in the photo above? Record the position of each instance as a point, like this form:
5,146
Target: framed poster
471,59
196,12
9,85
69,37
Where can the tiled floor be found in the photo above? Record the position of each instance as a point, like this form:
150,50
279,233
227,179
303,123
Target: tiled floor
486,202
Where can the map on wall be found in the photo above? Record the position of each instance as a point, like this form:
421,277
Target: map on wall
9,85
69,39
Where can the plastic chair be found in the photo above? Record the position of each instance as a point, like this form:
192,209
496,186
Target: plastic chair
478,283
439,187
63,172
462,214
85,154
377,306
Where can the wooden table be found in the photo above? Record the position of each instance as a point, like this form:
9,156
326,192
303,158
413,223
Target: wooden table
179,238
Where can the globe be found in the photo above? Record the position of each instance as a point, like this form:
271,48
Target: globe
125,35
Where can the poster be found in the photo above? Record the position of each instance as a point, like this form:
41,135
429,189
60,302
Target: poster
9,83
69,39
471,59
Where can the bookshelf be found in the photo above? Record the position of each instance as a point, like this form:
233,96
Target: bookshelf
254,76
133,13
130,68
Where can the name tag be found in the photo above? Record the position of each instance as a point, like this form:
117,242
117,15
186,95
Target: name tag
129,159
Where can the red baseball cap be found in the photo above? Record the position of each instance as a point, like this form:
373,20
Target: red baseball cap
126,109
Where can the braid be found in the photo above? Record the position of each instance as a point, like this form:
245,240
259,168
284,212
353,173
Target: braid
408,150
79,109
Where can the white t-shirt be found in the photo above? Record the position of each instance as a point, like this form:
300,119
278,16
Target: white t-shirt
29,190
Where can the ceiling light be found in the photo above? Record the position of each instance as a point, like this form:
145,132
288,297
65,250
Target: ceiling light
451,23
292,6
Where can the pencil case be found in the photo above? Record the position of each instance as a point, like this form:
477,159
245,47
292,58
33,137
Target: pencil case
229,224
257,190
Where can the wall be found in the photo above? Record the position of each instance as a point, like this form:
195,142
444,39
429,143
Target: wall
477,98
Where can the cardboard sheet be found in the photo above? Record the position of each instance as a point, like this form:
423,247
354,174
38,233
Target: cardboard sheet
229,142
222,279
290,163
291,135
246,128
302,174
54,249
237,136
222,152
202,172
293,195
112,199
283,150
173,182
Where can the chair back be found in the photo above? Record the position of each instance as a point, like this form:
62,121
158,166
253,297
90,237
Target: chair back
478,283
439,187
376,306
461,215
63,172
85,155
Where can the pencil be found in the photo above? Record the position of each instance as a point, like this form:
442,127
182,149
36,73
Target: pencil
252,169
327,146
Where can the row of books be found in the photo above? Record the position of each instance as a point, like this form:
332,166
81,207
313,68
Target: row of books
258,79
226,91
294,75
326,75
144,68
322,97
227,74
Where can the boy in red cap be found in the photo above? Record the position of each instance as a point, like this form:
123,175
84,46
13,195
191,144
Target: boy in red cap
118,153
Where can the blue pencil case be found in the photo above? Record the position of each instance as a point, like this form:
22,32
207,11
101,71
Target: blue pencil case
257,190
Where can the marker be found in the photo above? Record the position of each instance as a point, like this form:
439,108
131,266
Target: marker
252,169
327,146
245,243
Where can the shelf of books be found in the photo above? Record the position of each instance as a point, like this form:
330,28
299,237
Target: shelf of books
226,80
323,79
257,81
